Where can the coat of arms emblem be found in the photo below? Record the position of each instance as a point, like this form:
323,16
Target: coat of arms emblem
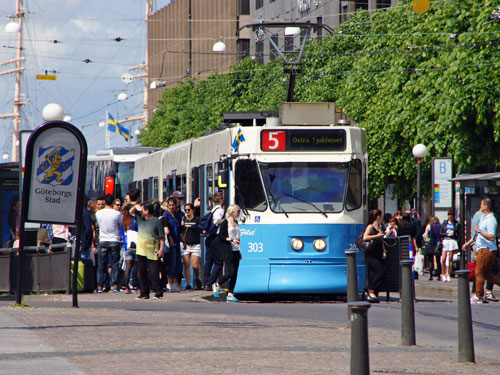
55,166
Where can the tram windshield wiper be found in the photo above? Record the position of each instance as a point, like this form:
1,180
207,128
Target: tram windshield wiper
277,203
303,200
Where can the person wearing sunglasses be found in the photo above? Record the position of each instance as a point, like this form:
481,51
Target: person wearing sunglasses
192,252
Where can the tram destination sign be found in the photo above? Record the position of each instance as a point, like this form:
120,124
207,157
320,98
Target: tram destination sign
303,140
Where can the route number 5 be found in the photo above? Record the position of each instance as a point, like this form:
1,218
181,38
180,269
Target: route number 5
273,140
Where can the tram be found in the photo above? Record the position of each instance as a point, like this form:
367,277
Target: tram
114,167
301,182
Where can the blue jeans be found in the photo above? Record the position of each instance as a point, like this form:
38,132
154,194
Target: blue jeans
108,250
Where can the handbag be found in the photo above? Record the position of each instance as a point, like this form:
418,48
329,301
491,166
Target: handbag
363,246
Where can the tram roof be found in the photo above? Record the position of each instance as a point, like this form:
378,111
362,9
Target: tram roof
247,118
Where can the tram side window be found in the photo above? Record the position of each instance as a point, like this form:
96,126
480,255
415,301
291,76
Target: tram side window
355,186
248,186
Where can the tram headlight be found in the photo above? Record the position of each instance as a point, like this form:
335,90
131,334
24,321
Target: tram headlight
319,244
297,244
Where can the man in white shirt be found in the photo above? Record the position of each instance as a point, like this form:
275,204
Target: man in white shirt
109,221
487,250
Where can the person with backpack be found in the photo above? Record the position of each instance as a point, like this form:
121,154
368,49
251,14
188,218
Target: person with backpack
212,243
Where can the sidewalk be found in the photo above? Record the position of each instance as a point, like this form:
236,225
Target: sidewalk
139,339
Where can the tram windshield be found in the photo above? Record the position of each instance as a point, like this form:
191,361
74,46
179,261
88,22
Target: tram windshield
305,186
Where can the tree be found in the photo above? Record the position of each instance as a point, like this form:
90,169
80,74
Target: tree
405,77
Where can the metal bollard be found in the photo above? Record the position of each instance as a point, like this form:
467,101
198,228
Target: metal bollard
352,280
465,335
360,356
407,307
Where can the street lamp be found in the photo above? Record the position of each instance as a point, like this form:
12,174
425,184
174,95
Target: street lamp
419,151
53,112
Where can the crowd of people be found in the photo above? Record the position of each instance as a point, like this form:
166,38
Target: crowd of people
439,243
151,247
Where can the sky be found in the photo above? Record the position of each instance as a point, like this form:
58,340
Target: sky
76,41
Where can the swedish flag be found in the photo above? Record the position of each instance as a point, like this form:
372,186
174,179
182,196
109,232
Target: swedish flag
238,139
116,127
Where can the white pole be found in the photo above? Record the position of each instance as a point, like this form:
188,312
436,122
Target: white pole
17,91
108,137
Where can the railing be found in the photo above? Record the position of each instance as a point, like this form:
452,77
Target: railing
45,269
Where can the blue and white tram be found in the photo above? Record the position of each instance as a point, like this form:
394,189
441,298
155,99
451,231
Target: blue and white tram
302,187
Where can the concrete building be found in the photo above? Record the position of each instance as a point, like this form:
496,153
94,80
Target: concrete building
328,12
180,40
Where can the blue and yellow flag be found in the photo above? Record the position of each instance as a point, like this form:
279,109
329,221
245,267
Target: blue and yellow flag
116,127
238,139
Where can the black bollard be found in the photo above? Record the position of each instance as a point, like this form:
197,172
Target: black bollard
407,307
465,335
352,280
360,356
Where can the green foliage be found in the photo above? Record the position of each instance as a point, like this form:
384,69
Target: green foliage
405,77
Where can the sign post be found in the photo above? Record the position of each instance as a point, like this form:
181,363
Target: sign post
442,172
54,183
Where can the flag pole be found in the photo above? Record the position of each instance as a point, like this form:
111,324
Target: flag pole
108,140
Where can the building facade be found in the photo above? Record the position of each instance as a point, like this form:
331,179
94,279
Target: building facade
180,40
328,12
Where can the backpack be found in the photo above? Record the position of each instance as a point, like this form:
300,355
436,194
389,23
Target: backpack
206,224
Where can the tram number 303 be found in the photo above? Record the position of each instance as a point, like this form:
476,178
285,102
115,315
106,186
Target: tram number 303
255,247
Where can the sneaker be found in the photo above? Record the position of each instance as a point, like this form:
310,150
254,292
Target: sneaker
157,297
105,289
443,278
491,297
128,291
197,284
215,290
116,290
231,298
99,290
175,288
142,296
188,287
448,278
476,301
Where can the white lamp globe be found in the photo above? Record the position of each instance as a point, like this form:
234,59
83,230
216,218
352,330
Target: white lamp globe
102,123
137,132
5,156
419,151
292,30
12,27
122,96
219,47
67,118
53,112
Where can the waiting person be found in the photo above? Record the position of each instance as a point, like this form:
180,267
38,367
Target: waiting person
117,204
109,221
172,225
150,249
212,244
374,257
450,230
192,252
392,227
432,238
486,250
87,232
129,235
229,236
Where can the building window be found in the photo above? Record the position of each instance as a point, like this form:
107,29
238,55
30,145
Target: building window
244,7
319,30
243,48
288,43
259,51
259,4
344,13
361,4
383,4
273,55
